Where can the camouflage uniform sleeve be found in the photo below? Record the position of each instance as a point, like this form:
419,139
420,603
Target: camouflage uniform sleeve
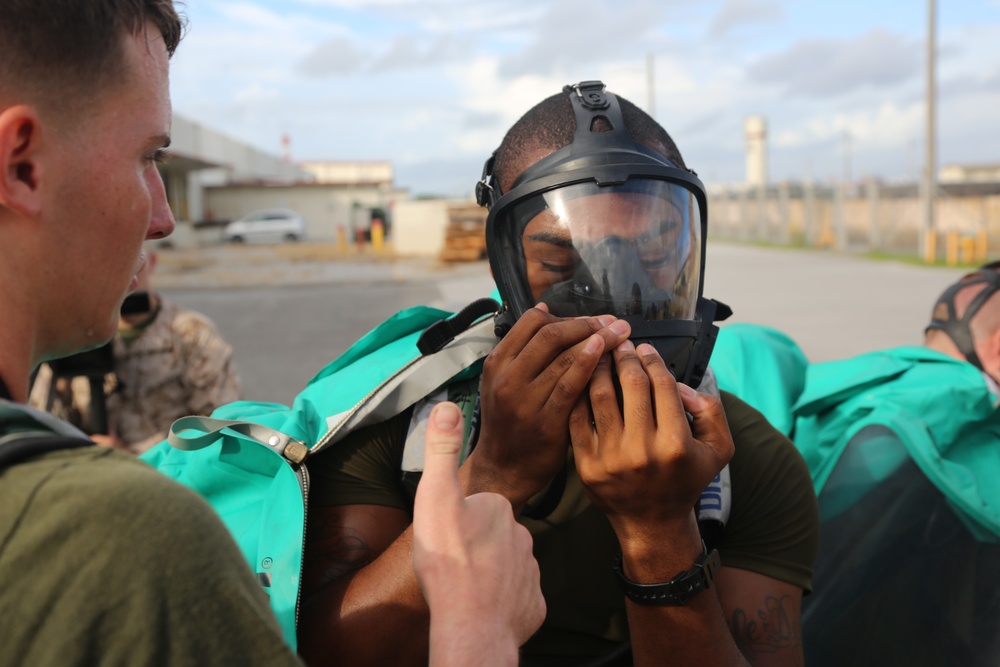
210,374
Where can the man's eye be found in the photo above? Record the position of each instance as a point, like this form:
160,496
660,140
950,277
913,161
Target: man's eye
557,268
159,155
656,262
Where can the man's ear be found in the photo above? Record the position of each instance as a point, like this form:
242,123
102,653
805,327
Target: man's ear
20,169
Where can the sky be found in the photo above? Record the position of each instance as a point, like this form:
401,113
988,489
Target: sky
433,85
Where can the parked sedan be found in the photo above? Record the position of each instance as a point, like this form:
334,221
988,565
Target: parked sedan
269,226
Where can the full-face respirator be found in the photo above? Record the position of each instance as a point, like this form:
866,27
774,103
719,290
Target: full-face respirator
606,225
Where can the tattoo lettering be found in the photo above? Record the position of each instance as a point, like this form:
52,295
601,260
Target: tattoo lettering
771,631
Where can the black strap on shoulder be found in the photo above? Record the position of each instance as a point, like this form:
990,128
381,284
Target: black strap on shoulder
17,448
442,332
957,328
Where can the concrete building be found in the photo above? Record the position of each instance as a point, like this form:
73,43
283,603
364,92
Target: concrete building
969,173
326,207
199,158
342,172
211,178
332,196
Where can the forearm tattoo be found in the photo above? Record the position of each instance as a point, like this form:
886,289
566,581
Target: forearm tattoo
772,629
332,550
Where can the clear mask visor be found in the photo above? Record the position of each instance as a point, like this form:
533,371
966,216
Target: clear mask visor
628,250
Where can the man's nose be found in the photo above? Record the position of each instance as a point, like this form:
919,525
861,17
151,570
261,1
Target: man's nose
161,224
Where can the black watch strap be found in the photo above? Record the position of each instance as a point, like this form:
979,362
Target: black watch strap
678,590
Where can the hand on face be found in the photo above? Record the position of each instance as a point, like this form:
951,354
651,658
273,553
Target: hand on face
642,465
472,559
531,382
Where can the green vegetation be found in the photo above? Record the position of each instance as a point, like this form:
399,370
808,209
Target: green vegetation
799,244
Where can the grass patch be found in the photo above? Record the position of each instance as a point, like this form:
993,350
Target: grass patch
873,255
902,258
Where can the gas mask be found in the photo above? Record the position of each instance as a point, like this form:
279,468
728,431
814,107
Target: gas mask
606,225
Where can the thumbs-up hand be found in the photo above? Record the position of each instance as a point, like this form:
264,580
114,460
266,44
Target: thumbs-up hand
472,559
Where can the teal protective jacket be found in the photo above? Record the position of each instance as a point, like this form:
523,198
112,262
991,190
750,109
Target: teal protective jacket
941,409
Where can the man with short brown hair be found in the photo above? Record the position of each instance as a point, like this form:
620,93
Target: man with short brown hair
102,559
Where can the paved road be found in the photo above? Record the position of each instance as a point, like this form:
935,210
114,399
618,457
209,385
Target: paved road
833,305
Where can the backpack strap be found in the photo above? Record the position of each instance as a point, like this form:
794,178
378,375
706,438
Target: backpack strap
211,430
415,381
18,447
455,352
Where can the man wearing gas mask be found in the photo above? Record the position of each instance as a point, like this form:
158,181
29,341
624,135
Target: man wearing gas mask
670,525
166,362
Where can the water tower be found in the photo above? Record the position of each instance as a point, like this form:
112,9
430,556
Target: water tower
755,131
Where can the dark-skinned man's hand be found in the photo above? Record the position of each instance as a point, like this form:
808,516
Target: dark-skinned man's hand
531,382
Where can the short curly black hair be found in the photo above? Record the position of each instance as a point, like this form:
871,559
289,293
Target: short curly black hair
551,124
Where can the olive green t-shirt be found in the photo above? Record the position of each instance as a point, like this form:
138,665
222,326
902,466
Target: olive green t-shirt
104,561
773,527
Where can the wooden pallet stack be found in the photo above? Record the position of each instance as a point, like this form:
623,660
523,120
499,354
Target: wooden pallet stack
465,235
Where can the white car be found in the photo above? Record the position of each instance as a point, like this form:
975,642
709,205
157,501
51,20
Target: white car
269,226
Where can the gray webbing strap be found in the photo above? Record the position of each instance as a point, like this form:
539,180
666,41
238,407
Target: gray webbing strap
411,383
211,430
414,382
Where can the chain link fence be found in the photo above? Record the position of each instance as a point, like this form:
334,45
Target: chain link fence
870,218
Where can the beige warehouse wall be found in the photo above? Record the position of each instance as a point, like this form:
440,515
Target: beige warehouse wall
419,226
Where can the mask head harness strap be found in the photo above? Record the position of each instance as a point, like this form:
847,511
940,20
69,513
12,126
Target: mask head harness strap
945,317
590,103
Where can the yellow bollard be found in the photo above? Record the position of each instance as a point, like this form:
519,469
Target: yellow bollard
826,238
968,250
951,248
341,239
378,235
982,246
930,246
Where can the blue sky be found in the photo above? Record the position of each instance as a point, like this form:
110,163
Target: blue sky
432,85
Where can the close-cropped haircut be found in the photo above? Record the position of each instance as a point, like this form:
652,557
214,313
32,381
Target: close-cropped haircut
551,124
60,52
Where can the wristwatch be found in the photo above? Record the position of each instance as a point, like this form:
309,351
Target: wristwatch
678,590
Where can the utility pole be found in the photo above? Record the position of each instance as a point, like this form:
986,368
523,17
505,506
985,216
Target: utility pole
650,87
847,159
928,245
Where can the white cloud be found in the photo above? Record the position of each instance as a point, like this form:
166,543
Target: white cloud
828,68
434,84
738,13
884,126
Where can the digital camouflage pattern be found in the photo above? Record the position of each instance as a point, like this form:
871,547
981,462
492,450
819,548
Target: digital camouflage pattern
179,365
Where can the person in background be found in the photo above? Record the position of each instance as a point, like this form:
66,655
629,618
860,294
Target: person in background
901,444
166,361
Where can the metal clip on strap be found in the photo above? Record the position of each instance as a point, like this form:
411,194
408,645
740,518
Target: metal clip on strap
211,429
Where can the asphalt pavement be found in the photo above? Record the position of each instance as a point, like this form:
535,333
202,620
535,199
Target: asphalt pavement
287,319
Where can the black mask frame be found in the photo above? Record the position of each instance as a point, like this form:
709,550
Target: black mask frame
603,158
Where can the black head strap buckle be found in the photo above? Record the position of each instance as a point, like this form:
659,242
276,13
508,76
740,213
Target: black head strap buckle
485,192
591,94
